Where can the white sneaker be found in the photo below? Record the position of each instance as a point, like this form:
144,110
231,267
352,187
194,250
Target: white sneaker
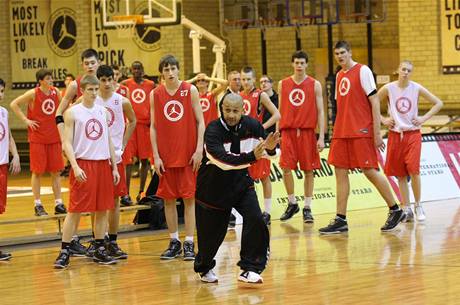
209,277
250,277
409,215
420,213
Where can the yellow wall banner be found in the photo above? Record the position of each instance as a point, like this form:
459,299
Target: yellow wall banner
43,35
450,36
363,195
122,47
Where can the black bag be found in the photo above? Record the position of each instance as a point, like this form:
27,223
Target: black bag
155,216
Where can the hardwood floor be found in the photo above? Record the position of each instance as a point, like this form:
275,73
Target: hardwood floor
416,264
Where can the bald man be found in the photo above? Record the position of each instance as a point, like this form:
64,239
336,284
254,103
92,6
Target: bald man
223,183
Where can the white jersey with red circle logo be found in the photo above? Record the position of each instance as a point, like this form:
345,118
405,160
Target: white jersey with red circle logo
403,105
4,137
116,121
91,136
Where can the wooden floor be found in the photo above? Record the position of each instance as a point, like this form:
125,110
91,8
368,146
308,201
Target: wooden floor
417,264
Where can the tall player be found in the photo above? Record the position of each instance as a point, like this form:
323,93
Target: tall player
139,145
119,109
175,109
301,107
405,138
208,99
256,104
89,149
43,137
356,137
7,144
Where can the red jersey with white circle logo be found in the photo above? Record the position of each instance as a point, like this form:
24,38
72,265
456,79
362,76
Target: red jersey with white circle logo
91,136
43,110
139,97
252,104
403,105
354,111
4,137
116,121
298,104
209,107
175,125
79,93
122,90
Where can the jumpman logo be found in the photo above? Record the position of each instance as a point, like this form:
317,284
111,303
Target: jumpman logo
112,116
205,104
171,112
2,131
403,105
138,96
247,107
48,106
297,97
63,33
93,129
344,86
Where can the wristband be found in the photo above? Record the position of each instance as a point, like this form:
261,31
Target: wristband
59,119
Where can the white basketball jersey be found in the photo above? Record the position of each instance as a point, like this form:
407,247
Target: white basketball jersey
403,105
91,135
4,137
116,121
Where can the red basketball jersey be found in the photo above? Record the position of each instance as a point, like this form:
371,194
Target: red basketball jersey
78,80
139,97
43,111
209,107
354,113
252,104
298,104
175,124
122,90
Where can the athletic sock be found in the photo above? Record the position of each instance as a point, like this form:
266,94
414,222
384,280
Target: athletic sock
343,217
307,202
100,243
37,202
57,201
174,235
291,199
189,238
268,205
65,245
395,207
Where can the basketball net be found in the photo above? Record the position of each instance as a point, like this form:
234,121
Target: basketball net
126,25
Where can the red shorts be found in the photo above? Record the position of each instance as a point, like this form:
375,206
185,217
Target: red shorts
260,169
127,156
139,145
403,153
120,189
3,186
353,153
299,146
177,182
46,158
96,193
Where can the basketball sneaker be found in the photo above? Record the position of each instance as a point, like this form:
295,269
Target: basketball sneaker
409,215
291,210
394,218
232,222
174,250
76,248
420,213
115,251
40,210
336,226
140,196
126,201
62,261
91,248
102,257
209,277
307,216
267,218
60,209
189,252
4,256
250,277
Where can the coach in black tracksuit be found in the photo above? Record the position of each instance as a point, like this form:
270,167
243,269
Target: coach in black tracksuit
232,143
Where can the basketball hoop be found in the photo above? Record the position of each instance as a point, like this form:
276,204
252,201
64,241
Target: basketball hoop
126,24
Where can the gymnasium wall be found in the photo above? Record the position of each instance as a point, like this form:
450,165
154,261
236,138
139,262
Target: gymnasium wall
411,30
